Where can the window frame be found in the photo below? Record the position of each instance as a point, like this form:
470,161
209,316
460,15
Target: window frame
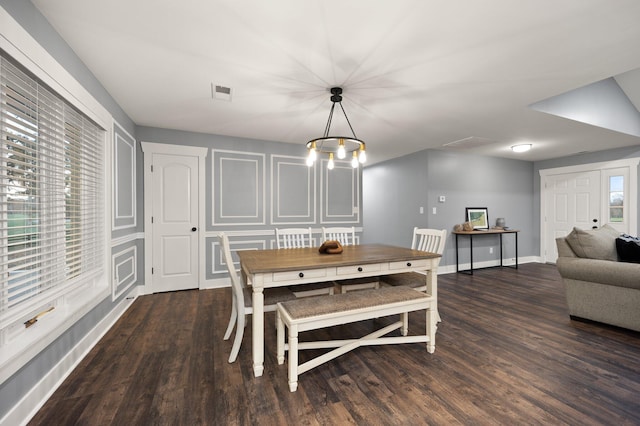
26,343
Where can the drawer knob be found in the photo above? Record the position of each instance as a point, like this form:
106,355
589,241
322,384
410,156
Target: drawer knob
301,275
359,268
408,263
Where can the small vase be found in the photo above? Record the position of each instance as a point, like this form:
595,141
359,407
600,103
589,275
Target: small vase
500,222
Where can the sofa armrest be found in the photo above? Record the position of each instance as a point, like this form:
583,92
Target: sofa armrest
608,272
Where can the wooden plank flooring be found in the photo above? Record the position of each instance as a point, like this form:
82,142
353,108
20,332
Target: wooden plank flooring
506,353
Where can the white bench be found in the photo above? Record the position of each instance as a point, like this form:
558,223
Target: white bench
325,311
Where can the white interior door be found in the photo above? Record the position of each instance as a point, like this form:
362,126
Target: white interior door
175,222
572,199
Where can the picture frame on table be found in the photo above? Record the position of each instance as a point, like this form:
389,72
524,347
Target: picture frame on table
478,217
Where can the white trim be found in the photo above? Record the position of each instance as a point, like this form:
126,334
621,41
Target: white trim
150,148
35,398
632,202
114,178
260,161
117,280
127,239
276,218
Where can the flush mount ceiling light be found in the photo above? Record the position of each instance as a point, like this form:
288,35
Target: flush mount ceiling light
336,146
523,147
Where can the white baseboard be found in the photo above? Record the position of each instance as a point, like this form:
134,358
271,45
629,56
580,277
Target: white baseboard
450,269
29,405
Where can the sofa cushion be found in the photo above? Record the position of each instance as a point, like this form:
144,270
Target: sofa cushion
599,243
628,248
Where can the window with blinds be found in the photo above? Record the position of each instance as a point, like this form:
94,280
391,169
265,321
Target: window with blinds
51,196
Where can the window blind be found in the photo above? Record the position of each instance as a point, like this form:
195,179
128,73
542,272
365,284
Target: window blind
51,196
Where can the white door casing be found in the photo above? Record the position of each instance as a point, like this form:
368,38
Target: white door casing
174,217
576,195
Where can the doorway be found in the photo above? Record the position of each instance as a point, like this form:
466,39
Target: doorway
174,217
586,196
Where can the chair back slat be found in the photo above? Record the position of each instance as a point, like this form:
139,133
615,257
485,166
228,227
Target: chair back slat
346,235
431,240
294,238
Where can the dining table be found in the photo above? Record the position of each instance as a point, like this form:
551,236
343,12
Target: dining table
289,267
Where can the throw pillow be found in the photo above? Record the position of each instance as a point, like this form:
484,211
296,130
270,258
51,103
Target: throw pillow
599,243
628,248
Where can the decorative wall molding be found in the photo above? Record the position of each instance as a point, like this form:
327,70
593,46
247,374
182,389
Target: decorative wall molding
126,239
340,193
238,187
218,266
125,271
124,179
293,191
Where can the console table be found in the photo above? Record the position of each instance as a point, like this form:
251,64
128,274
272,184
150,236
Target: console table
471,234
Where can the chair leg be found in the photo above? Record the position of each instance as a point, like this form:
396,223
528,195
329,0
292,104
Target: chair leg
238,340
232,320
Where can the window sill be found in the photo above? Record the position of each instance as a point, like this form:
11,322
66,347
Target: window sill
33,340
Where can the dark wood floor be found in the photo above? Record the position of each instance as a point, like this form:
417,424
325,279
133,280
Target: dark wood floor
506,353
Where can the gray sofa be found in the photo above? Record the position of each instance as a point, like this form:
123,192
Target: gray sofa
598,286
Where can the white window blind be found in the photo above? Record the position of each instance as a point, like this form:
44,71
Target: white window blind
51,196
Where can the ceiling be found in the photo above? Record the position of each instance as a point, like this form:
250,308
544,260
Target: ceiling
416,74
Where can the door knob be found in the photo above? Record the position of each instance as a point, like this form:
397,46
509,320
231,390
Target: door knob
194,229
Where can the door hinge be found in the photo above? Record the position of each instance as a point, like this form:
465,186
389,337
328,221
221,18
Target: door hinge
151,219
151,271
152,168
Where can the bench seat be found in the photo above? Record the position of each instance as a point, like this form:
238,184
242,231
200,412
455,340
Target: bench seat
325,311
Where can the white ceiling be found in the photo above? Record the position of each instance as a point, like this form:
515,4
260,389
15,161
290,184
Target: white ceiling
416,74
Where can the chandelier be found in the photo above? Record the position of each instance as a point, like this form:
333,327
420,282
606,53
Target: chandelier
336,146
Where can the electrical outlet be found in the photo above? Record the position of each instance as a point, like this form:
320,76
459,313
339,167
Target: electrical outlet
490,250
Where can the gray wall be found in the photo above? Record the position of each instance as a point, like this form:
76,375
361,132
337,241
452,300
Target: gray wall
288,192
395,190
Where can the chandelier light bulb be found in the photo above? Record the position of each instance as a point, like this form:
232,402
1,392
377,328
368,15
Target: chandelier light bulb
309,160
354,160
363,155
330,164
341,150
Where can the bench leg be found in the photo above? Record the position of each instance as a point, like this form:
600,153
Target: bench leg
280,338
293,358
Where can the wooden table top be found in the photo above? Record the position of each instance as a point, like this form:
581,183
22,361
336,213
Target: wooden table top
487,231
280,260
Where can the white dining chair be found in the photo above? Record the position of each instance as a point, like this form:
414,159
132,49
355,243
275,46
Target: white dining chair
242,301
294,237
430,240
347,237
290,238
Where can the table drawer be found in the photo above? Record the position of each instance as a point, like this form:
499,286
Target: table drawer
408,264
350,270
299,275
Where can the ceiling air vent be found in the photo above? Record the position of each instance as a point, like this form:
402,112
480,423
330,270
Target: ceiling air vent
221,93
